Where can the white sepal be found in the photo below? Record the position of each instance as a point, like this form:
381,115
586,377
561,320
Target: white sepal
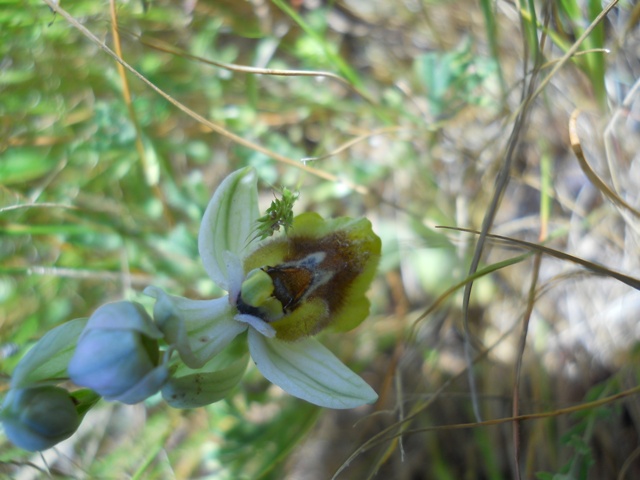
227,223
308,370
198,329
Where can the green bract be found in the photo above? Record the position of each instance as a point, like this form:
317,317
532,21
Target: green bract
46,362
281,290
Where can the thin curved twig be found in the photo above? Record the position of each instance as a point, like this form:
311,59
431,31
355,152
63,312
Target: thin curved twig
164,47
589,172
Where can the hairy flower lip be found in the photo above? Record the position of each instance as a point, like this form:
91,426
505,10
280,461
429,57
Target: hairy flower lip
321,272
294,281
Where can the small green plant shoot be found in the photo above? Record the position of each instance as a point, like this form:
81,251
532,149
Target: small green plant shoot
279,214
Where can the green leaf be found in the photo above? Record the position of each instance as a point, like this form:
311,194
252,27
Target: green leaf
23,164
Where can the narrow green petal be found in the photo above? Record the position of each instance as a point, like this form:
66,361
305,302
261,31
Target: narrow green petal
308,370
227,223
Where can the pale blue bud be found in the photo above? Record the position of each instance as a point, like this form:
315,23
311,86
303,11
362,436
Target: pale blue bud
117,354
37,418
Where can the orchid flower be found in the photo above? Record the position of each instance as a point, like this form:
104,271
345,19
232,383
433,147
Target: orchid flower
281,291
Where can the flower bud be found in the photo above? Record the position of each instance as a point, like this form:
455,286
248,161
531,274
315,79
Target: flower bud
117,354
37,418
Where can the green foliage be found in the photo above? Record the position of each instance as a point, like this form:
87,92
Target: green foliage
577,440
572,14
273,439
25,164
456,78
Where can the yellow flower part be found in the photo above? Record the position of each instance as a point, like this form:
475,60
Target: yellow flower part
319,273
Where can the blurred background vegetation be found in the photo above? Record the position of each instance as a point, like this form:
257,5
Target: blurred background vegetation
429,112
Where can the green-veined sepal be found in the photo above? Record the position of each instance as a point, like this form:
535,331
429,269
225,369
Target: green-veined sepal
197,329
308,370
189,388
227,223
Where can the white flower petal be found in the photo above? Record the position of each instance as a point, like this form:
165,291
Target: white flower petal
260,325
199,329
308,370
227,223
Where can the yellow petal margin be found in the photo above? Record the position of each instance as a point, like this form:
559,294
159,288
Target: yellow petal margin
321,272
